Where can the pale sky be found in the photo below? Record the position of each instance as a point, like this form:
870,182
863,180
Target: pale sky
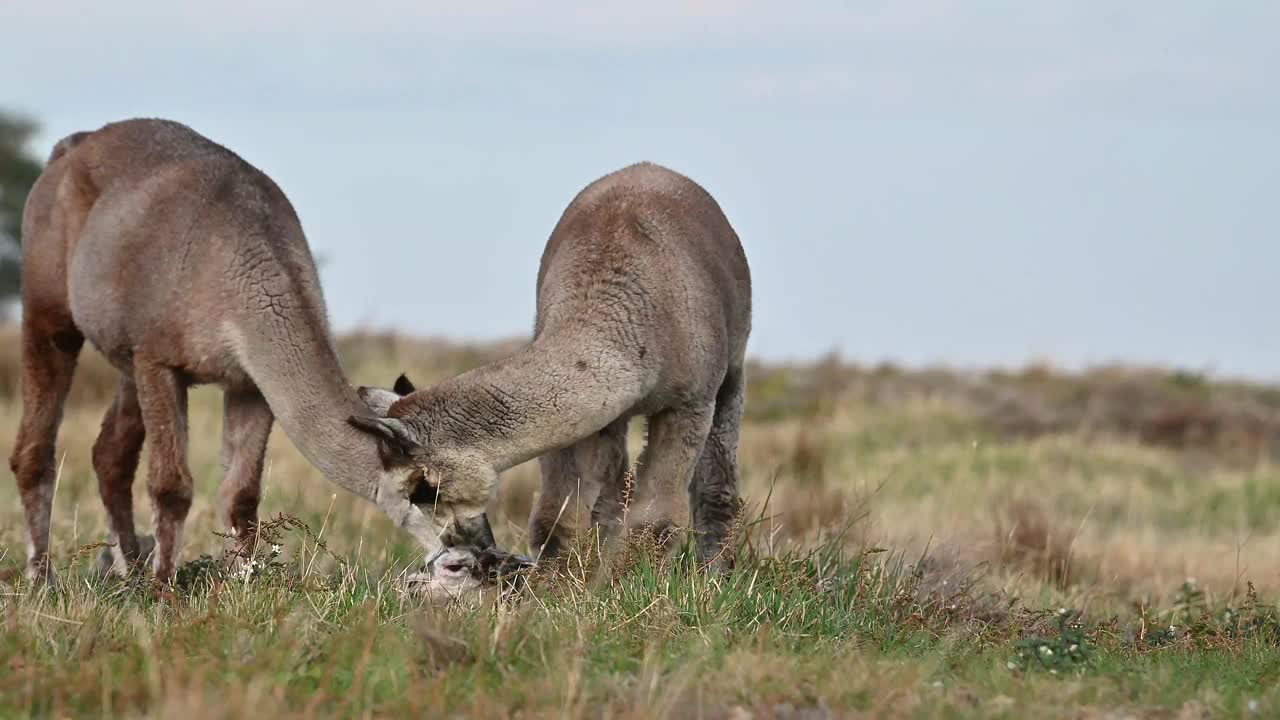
959,181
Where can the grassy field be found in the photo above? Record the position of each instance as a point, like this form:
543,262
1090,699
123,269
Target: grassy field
916,544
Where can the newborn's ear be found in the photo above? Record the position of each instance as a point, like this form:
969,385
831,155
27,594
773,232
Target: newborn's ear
403,386
392,431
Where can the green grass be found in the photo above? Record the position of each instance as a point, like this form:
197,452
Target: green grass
632,635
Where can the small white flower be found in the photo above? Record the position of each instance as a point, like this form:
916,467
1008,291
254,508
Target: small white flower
1253,705
1073,648
1046,650
275,549
1062,611
1173,628
1053,672
1011,665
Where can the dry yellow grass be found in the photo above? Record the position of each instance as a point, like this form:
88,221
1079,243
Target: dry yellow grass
1096,517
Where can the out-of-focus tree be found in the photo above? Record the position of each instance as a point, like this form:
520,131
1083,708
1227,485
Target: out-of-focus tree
18,172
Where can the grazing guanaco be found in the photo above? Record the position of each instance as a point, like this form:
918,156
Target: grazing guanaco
182,264
643,309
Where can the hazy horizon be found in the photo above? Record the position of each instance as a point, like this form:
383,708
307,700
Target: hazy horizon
972,184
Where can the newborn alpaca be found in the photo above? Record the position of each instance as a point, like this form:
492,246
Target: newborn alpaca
183,264
644,307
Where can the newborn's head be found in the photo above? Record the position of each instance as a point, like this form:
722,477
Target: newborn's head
462,572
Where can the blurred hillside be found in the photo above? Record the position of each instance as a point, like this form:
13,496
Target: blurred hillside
1231,421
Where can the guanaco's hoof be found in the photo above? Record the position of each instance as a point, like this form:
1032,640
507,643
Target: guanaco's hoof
43,576
106,563
660,535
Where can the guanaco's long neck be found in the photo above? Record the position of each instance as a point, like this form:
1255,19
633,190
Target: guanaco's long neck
552,393
297,370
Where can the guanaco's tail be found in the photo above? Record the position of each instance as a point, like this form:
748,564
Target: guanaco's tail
64,145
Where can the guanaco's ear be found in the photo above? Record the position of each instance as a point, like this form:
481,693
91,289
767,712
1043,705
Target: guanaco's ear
378,400
403,386
390,430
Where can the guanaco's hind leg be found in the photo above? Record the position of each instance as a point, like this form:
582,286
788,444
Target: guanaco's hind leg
115,461
246,427
713,496
675,442
162,397
50,346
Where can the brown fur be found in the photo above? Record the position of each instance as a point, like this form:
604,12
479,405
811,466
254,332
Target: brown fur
183,264
644,308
